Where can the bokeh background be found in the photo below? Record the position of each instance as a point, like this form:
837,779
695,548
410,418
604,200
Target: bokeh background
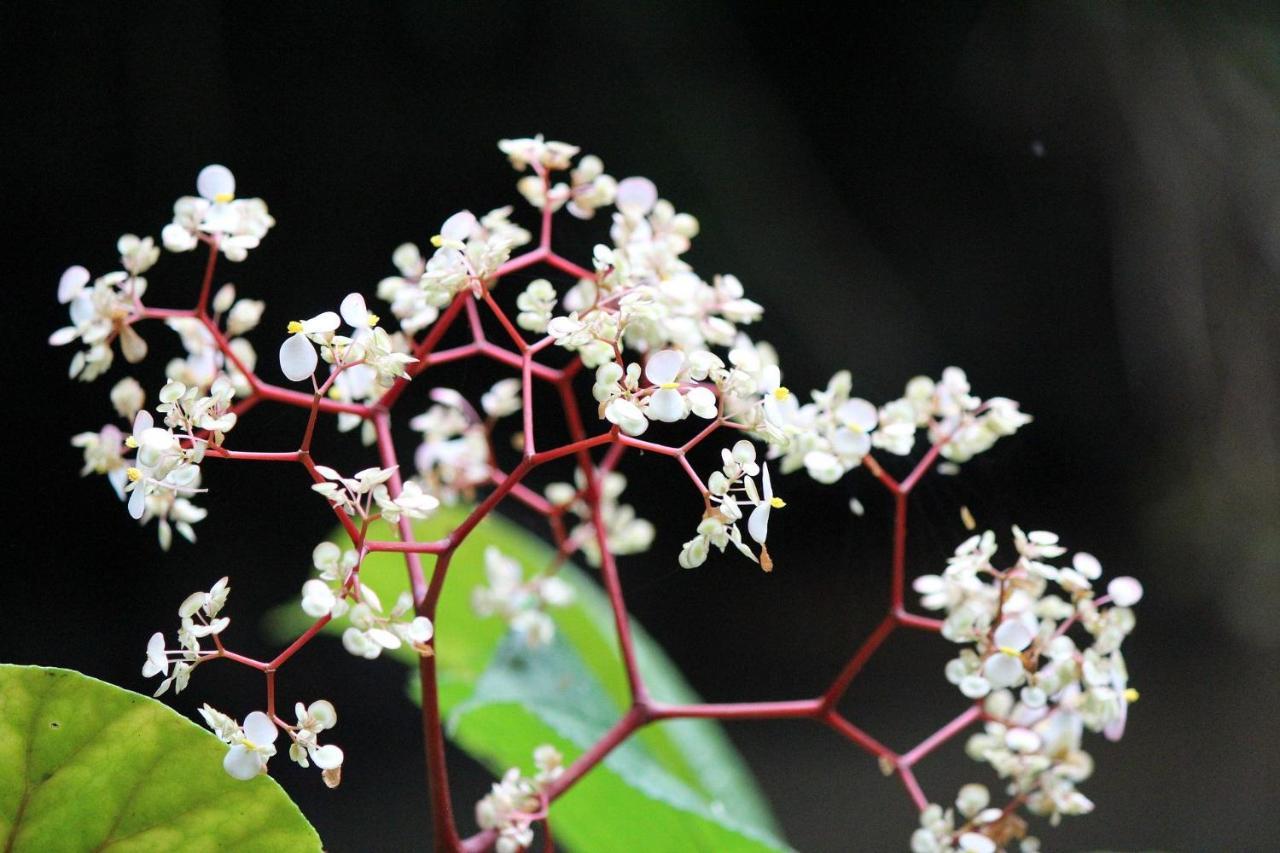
1077,202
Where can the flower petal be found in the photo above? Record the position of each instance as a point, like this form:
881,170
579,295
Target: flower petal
298,358
242,763
664,366
215,180
259,728
71,283
1013,634
636,196
459,226
1125,591
354,311
321,323
666,405
327,757
758,523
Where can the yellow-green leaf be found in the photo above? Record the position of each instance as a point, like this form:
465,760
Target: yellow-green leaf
86,766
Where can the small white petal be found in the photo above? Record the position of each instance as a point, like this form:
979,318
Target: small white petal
1013,634
354,311
324,322
666,405
459,226
973,842
702,402
1002,670
242,763
214,181
1087,565
758,523
636,196
384,638
71,283
1125,591
974,686
664,366
138,501
858,413
298,358
259,728
327,757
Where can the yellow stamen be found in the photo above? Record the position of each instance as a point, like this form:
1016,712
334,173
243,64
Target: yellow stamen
250,744
131,442
1011,651
1131,695
970,523
777,503
135,475
781,393
667,386
437,240
373,319
335,393
295,326
223,198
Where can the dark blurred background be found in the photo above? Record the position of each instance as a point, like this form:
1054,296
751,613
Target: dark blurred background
1077,202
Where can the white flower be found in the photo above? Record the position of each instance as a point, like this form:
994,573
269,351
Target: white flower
758,522
251,746
313,719
237,224
157,661
1004,668
298,359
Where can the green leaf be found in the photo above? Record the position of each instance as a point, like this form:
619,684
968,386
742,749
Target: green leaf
679,785
85,765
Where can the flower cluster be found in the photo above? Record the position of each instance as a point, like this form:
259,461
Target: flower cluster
515,802
234,225
624,531
984,829
199,614
833,433
337,592
729,489
521,603
359,494
1042,650
672,394
252,745
363,362
454,456
105,311
669,352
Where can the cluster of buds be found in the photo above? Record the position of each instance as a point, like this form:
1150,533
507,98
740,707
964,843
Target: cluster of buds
521,603
338,592
625,531
832,434
453,459
516,802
